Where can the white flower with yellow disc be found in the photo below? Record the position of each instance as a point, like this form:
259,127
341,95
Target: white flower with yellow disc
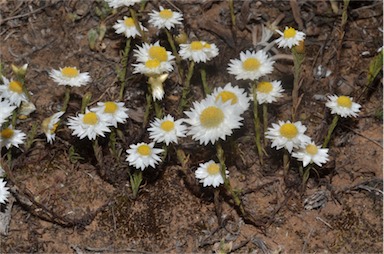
70,76
6,110
268,92
211,120
152,51
89,125
343,106
289,37
237,96
11,137
209,174
114,112
165,18
198,51
50,124
251,65
167,129
13,92
142,155
120,3
127,27
311,153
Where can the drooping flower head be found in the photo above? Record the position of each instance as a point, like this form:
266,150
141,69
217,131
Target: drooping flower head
289,38
287,135
142,155
209,174
11,137
49,126
89,125
165,18
114,112
268,92
12,91
167,129
343,106
311,153
70,76
211,120
237,96
198,51
127,27
251,65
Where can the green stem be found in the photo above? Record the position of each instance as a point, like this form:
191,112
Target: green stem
86,99
206,88
187,85
138,27
66,98
124,63
227,184
135,179
158,109
175,53
330,130
286,163
232,11
257,125
148,107
265,121
298,59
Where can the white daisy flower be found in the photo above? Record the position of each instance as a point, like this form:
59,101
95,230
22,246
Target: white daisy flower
4,193
289,38
70,76
114,112
152,51
50,124
209,174
165,18
120,3
11,137
268,92
143,155
211,120
6,110
127,27
89,125
251,65
311,153
237,96
12,91
287,135
153,67
343,106
167,130
198,51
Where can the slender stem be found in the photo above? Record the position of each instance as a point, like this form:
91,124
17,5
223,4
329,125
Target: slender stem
187,85
86,99
227,184
174,50
232,10
138,27
66,98
298,59
158,109
135,179
124,63
148,106
206,88
286,163
265,121
257,125
330,130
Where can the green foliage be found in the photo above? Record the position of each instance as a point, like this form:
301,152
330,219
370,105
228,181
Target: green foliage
375,66
73,156
135,179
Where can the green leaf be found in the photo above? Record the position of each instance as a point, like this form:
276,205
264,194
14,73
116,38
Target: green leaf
375,67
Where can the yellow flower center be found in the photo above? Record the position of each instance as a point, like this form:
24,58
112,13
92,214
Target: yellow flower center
264,87
289,33
128,22
16,86
159,53
213,169
144,150
90,118
207,45
288,130
227,95
211,117
54,127
344,101
70,72
152,63
251,64
110,107
166,14
197,45
7,133
167,126
311,149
